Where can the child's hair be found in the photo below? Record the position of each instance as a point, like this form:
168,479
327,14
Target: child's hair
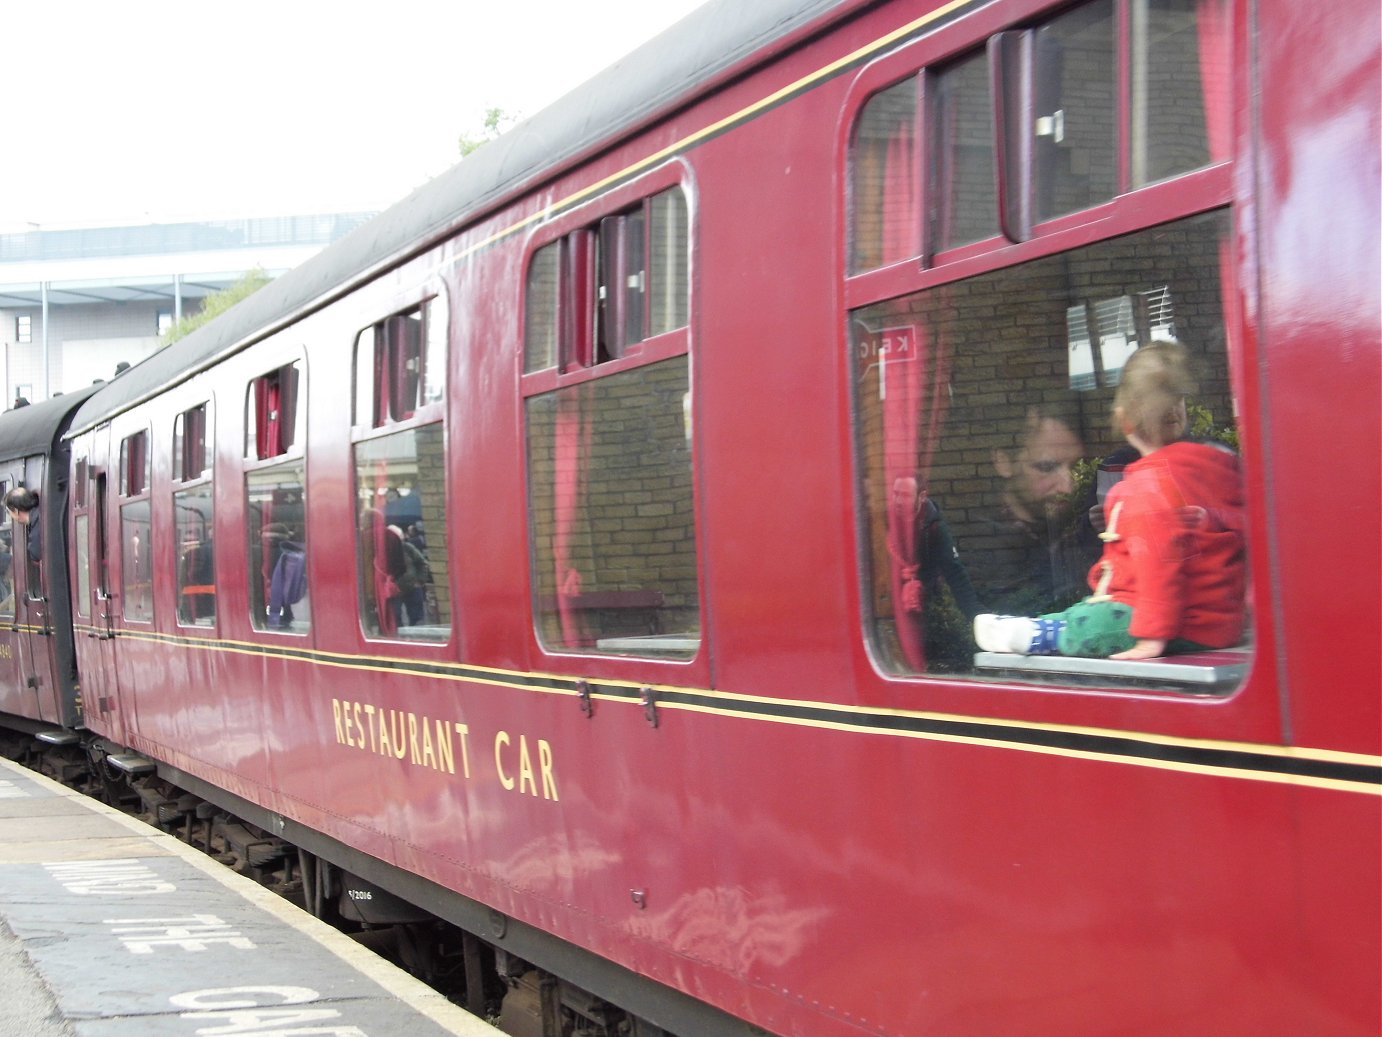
1156,380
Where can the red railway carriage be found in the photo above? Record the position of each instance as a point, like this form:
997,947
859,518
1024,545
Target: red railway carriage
585,550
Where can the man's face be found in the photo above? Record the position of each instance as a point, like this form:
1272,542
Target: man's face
1040,478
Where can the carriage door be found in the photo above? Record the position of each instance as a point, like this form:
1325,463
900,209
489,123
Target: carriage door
35,629
100,683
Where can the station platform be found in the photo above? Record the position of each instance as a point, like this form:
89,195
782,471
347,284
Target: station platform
112,928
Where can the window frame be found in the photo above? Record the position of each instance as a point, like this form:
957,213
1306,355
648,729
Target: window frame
183,483
128,495
586,220
1133,208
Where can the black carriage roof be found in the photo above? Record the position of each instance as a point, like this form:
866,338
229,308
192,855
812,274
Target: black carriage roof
707,47
26,431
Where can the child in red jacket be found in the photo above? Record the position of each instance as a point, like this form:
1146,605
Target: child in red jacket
1172,576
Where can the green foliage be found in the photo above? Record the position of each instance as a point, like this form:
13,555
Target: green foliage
217,303
1202,426
497,122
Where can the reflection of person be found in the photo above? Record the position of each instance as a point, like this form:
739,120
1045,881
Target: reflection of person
1172,573
1026,557
22,505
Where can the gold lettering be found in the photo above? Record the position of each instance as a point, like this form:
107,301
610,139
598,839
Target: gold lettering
464,731
549,778
525,768
400,745
348,739
428,752
500,741
412,738
336,712
446,754
385,746
373,742
359,726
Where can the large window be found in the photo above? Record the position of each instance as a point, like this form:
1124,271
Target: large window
193,518
276,503
609,439
400,475
984,435
136,529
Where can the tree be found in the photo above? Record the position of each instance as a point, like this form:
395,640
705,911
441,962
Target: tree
217,303
497,122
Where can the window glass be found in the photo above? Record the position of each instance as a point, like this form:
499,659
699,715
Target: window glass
984,428
366,413
276,502
401,545
885,182
1180,84
667,262
196,573
437,320
190,455
6,558
136,579
134,464
540,309
1076,118
613,520
83,546
273,417
964,197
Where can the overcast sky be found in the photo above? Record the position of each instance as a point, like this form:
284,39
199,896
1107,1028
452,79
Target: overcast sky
146,112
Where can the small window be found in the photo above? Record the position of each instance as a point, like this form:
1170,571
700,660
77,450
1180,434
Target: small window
600,291
400,364
276,503
79,486
164,322
964,193
134,464
273,417
190,452
23,328
401,551
885,181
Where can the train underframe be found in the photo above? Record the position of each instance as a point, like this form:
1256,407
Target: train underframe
487,979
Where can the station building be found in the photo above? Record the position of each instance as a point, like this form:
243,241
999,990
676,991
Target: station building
77,302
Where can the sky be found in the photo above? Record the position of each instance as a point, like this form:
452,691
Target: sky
155,112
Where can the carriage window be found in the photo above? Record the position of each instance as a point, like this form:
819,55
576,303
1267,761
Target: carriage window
613,522
602,290
400,364
401,553
134,464
190,455
984,434
82,526
963,185
6,556
276,503
193,520
885,182
1101,99
136,530
273,419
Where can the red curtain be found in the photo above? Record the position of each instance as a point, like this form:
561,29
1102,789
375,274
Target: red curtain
901,196
573,433
901,364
